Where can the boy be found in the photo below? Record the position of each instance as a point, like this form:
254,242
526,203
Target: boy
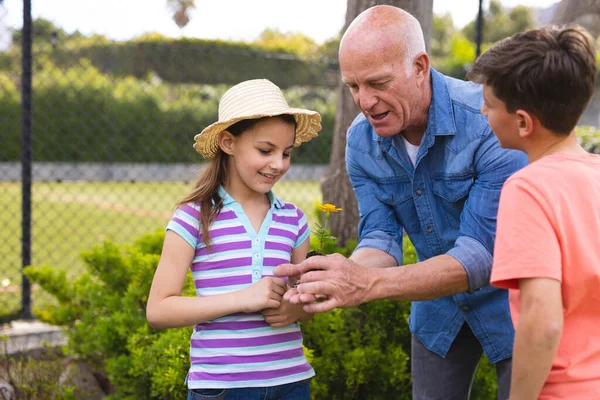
547,250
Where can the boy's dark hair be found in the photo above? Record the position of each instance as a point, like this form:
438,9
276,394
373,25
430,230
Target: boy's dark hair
549,72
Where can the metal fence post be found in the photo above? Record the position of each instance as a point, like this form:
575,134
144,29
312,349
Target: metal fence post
26,157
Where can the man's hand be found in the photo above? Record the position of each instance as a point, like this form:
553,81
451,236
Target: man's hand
284,315
342,282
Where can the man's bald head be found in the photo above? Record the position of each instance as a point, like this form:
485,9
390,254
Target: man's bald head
384,26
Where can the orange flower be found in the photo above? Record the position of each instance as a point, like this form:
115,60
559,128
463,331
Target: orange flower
328,208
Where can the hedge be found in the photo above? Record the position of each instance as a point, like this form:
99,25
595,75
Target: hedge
82,115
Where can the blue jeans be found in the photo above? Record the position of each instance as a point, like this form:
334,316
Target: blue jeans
291,391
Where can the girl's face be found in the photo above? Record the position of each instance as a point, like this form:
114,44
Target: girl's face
260,156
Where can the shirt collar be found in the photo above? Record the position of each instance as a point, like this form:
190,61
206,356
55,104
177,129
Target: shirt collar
228,200
440,121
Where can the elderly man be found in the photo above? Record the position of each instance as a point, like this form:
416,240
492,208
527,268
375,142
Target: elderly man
422,159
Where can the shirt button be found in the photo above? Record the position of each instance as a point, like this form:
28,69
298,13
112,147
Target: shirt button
257,240
255,273
419,192
256,255
465,308
429,229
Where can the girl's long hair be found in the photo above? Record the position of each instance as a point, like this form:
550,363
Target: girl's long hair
206,192
214,173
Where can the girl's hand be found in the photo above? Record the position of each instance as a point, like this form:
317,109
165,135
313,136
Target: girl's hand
266,293
284,315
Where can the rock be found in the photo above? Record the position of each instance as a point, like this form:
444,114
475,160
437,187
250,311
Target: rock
80,376
7,392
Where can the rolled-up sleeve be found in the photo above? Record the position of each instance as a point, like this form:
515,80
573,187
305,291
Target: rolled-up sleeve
378,227
475,245
476,260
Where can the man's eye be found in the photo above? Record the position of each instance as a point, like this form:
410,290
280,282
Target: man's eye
380,85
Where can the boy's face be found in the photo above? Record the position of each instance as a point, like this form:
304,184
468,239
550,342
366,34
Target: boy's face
504,124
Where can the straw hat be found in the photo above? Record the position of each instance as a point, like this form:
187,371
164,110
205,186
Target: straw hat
252,99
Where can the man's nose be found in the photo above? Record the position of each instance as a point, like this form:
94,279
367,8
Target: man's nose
367,99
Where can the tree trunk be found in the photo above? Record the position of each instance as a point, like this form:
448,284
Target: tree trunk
582,12
335,185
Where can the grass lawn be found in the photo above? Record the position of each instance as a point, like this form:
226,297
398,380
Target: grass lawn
70,217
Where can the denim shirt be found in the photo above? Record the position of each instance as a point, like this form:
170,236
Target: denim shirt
447,204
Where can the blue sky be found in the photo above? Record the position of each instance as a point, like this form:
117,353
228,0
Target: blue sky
212,19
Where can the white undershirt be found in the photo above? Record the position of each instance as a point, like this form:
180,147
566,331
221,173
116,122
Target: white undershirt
411,149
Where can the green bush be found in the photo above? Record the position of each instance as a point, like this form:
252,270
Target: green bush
104,311
190,60
589,138
357,353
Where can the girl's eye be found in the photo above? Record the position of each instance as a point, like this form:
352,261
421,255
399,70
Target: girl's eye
262,151
287,155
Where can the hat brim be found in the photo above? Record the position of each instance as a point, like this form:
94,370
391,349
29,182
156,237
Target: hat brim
308,126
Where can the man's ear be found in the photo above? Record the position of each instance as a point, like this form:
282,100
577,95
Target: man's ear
525,122
421,66
226,142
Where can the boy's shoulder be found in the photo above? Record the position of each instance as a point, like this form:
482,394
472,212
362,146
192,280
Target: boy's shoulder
557,172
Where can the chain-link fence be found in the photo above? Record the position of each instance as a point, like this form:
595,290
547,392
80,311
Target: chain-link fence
112,126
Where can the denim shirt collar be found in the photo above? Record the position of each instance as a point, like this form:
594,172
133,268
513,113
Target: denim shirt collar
441,115
228,200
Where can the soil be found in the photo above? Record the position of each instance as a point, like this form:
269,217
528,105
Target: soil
313,253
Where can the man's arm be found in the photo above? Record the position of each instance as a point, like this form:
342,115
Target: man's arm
537,336
466,266
373,258
379,231
474,246
347,284
436,277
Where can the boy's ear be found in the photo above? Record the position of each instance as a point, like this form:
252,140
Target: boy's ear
525,123
226,140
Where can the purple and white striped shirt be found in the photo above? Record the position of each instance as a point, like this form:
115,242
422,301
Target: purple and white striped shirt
242,349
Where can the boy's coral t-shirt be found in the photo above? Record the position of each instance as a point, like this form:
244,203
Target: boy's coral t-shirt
549,227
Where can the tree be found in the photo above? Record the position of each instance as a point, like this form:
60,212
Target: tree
335,184
180,10
297,43
45,32
443,28
582,12
500,24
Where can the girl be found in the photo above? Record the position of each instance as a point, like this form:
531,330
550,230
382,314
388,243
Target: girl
232,231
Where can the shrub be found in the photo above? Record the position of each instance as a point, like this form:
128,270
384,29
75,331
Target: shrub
361,352
589,138
104,311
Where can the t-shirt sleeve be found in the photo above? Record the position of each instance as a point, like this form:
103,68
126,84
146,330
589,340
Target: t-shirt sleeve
186,223
303,230
526,242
